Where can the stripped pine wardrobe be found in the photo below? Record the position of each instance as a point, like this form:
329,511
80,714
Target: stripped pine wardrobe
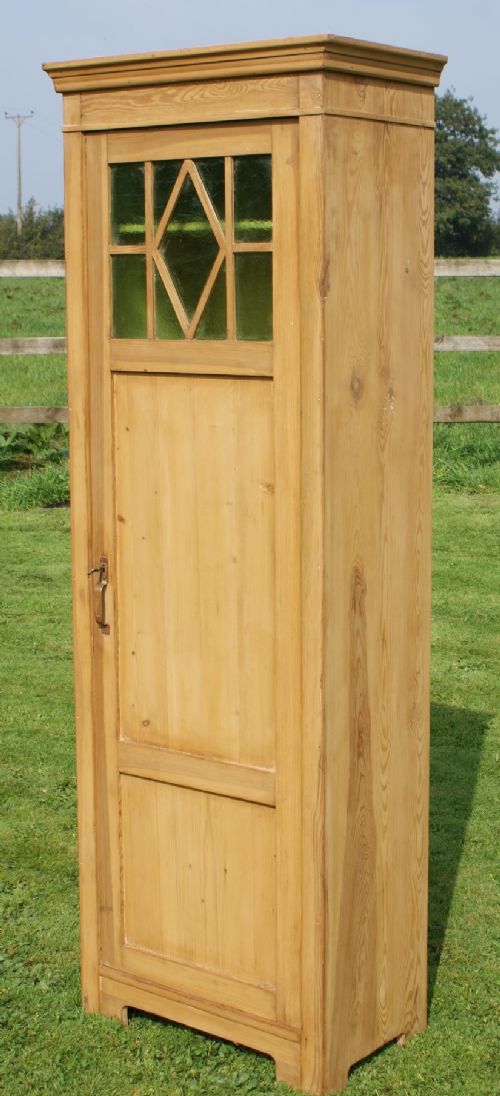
249,235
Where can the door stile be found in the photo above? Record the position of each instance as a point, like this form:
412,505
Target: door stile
287,567
101,472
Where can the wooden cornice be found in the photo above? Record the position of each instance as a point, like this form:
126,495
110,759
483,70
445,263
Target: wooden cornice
323,53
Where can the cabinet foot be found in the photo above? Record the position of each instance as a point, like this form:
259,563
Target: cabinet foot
114,1008
288,1072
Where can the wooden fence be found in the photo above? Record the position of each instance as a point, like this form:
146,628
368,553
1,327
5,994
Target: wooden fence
451,268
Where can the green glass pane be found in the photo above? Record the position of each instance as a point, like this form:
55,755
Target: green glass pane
189,246
213,323
128,275
252,199
254,295
165,173
212,175
167,325
127,204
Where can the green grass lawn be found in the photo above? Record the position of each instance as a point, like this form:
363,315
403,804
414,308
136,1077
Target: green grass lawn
32,306
33,380
467,306
47,1044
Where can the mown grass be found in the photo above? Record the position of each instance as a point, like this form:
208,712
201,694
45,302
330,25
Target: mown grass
467,306
31,307
33,381
47,1044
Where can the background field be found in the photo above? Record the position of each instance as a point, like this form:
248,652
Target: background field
47,1044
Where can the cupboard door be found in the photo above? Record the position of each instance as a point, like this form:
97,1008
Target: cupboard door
195,462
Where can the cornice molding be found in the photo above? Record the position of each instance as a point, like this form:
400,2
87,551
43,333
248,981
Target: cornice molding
324,53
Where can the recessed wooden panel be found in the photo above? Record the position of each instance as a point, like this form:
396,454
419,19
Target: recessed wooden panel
195,561
202,888
361,96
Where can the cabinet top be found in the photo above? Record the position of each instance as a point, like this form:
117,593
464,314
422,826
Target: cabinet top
321,53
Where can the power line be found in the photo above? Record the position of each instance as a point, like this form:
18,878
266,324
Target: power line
18,120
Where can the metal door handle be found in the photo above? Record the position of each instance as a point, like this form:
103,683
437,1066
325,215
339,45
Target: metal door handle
100,593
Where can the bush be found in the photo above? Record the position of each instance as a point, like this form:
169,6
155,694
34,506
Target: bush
41,236
30,446
45,487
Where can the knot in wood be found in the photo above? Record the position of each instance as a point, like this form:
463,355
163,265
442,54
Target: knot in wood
357,386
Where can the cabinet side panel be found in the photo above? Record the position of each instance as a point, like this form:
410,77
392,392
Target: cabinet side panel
378,449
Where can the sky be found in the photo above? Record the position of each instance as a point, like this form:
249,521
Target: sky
61,30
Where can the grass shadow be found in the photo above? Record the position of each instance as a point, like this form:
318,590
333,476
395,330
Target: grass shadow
456,741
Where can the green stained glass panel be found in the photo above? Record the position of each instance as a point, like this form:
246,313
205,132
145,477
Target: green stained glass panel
127,204
189,246
212,175
167,325
165,173
254,295
252,199
128,276
213,323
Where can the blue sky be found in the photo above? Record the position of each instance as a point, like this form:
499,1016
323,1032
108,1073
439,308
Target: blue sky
59,30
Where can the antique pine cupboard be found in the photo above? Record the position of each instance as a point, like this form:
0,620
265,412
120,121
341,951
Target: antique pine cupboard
249,239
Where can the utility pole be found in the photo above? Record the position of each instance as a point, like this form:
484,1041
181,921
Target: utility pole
18,119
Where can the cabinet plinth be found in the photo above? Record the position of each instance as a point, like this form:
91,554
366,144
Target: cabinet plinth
249,250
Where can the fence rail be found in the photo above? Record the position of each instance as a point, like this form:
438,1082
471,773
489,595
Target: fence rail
46,345
452,413
42,345
443,268
32,268
13,416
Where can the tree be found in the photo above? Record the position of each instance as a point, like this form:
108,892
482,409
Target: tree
41,236
467,157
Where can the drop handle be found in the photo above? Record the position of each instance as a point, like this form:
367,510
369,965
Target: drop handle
99,593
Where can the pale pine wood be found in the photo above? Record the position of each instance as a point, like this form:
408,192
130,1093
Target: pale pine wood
325,52
287,568
204,102
256,785
78,394
201,141
260,702
312,272
377,584
223,358
195,526
199,984
103,543
202,889
279,1042
379,101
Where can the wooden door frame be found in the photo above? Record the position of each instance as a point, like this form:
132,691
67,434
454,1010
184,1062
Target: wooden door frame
92,488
